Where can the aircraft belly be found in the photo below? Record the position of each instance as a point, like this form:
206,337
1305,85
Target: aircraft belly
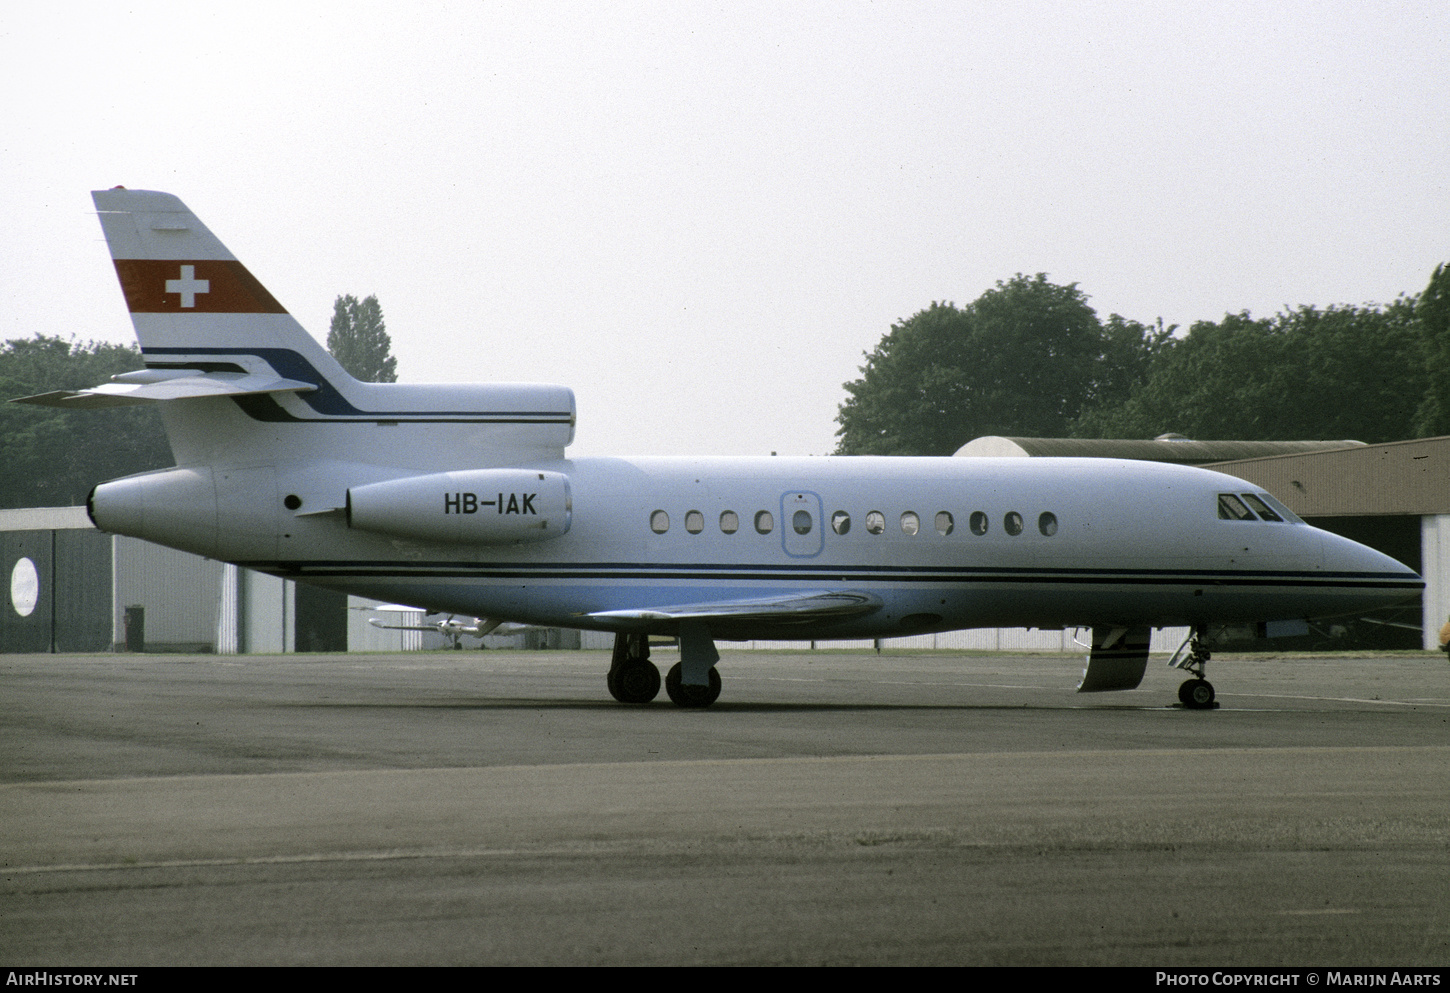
907,606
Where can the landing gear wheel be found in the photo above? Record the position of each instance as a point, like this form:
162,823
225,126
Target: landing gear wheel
1196,694
637,681
691,696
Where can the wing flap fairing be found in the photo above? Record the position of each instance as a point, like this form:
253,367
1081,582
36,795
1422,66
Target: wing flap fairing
791,609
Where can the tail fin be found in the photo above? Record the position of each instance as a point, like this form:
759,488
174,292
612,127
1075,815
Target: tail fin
254,386
192,303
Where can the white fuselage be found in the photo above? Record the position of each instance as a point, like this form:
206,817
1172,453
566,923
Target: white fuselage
1100,541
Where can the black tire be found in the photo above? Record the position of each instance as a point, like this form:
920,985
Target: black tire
1197,694
691,696
637,681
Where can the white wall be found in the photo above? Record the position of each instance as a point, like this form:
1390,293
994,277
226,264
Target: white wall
1435,569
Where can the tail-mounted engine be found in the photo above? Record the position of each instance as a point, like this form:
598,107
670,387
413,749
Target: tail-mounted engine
474,507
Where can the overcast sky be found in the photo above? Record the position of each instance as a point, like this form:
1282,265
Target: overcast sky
699,216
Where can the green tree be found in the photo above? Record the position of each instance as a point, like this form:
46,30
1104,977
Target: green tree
359,340
1433,314
53,457
1025,358
1342,372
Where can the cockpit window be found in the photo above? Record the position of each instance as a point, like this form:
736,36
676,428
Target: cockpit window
1261,508
1231,508
1287,515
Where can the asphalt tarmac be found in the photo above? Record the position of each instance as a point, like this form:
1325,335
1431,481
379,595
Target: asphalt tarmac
458,808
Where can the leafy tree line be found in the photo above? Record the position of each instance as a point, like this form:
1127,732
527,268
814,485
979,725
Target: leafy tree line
1031,358
52,457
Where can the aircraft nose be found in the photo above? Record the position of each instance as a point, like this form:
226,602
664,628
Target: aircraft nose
1370,577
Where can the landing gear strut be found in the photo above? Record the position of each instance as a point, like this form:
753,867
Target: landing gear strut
1196,693
632,678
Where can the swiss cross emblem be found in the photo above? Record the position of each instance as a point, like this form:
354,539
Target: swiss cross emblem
188,286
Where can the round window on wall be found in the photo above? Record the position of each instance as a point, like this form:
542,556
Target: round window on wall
978,523
841,522
659,522
764,522
24,587
1012,523
801,521
729,521
1047,524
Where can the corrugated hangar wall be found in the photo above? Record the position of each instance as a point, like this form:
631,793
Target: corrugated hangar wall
59,591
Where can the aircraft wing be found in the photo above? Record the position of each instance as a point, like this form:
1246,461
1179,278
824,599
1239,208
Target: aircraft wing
152,386
791,609
402,627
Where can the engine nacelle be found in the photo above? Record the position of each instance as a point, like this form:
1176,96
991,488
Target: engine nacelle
473,507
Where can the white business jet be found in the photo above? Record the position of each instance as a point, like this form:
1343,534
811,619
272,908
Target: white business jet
461,499
449,626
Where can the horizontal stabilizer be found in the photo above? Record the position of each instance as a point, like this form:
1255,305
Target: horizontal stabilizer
157,387
796,608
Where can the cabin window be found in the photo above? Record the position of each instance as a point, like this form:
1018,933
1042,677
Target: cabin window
659,522
910,523
944,523
1012,523
1047,524
978,523
764,522
841,522
801,522
1231,508
694,522
875,522
1261,508
729,521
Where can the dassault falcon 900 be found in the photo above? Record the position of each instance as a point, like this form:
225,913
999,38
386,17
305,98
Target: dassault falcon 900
460,499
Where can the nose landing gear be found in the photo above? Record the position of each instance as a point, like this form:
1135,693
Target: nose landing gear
1196,693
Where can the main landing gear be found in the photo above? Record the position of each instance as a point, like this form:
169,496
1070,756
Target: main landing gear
633,678
691,696
1196,693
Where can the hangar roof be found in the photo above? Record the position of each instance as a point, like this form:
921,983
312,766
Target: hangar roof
1401,477
1178,450
45,519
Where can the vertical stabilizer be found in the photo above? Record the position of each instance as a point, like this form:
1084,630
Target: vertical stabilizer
191,301
258,389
